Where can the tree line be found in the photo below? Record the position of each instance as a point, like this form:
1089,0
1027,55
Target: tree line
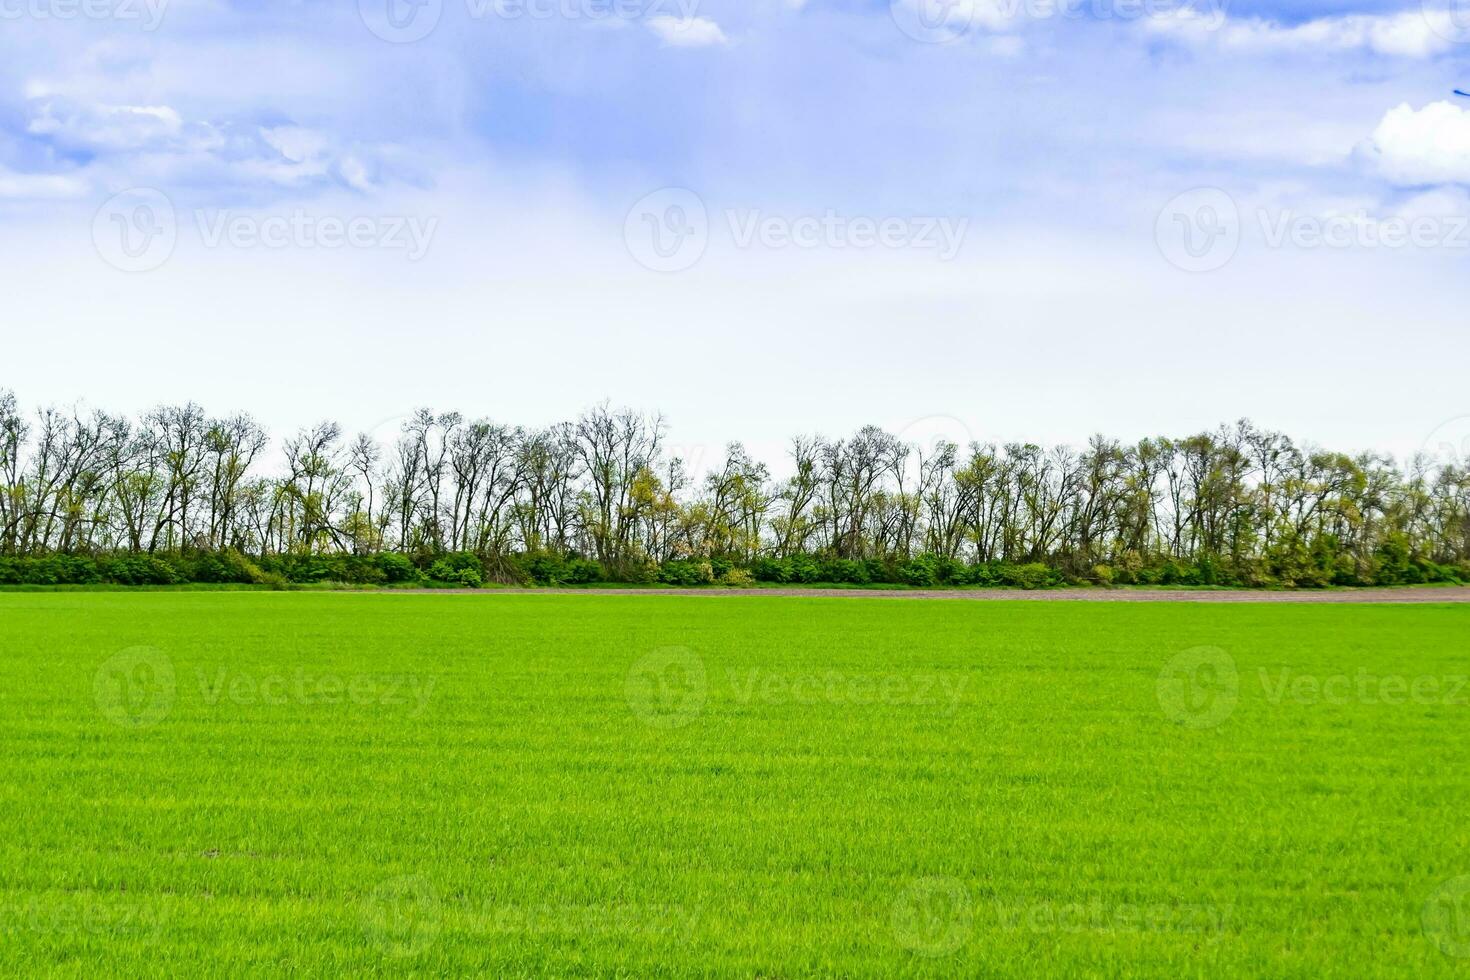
602,497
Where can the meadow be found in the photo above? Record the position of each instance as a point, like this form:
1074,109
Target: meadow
380,784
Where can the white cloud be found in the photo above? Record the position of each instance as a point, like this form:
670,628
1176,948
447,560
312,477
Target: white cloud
296,143
15,186
687,32
120,127
157,144
1416,34
1423,146
1442,203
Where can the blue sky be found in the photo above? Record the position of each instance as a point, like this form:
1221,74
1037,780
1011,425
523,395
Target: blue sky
1064,147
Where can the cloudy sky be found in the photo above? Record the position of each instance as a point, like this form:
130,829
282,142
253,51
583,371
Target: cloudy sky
1009,219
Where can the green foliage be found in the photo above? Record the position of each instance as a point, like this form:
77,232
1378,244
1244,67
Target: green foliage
140,570
550,568
805,569
1031,576
774,570
681,572
221,566
461,568
845,570
50,570
920,572
377,569
1289,563
396,568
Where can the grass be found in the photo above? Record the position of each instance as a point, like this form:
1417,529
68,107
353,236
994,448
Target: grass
757,587
632,785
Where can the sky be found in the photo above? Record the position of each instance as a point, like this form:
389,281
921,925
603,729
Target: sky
1003,220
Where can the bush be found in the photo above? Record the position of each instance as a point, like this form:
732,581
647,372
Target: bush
396,568
921,571
951,571
804,569
442,571
274,580
358,569
540,567
583,571
1206,571
683,572
220,566
139,570
986,574
461,568
738,578
1102,574
297,568
845,571
1032,576
639,571
548,568
776,570
57,570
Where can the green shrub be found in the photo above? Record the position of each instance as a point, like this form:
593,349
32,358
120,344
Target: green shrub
805,569
139,570
542,567
1031,576
986,574
220,566
396,568
951,571
921,571
59,570
776,570
461,568
845,570
549,568
582,571
681,571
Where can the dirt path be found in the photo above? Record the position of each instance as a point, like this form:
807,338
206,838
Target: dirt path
1446,594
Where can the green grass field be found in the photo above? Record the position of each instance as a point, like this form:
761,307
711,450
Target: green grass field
205,784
